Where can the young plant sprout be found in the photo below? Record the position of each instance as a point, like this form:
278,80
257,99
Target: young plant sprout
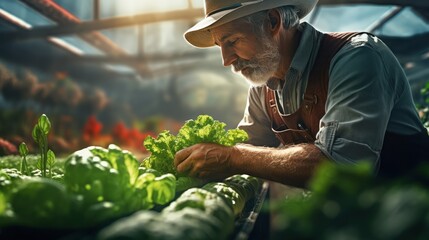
23,151
40,136
51,161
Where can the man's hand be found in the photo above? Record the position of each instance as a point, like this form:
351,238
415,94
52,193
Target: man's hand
205,160
293,165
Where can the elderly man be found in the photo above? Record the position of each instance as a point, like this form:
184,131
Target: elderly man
314,97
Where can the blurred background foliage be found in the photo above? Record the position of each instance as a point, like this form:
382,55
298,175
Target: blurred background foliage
359,206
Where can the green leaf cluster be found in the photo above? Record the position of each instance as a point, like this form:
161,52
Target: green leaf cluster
204,129
163,149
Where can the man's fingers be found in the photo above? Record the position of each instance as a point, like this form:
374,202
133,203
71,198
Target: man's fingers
202,174
184,167
182,155
196,169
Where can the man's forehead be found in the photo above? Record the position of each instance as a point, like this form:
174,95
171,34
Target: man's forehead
220,33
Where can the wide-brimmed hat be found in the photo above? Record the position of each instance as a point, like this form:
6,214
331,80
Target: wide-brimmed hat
218,12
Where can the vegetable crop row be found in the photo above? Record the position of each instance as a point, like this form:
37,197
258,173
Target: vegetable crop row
102,188
198,213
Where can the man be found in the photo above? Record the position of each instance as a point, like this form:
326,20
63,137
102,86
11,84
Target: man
339,97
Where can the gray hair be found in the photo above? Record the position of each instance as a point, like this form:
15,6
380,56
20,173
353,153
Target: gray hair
288,14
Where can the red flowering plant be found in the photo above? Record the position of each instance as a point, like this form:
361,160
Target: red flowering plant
92,129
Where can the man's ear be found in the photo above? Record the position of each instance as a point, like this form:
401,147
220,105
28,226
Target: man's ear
275,20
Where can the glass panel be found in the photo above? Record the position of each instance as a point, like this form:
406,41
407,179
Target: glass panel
27,14
197,3
83,9
406,23
166,37
4,27
356,17
158,38
126,38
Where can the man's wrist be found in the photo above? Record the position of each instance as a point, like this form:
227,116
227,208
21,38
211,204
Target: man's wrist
235,158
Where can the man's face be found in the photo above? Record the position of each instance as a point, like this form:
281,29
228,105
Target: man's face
253,54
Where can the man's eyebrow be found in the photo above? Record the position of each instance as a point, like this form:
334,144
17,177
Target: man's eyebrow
222,39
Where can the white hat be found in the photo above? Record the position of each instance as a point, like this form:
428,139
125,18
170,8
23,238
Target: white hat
218,12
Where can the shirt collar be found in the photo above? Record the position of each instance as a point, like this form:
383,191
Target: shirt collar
305,48
302,56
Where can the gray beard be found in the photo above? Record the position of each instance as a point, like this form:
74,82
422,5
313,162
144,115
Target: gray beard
262,66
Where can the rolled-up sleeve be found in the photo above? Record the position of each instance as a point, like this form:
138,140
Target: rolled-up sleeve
358,106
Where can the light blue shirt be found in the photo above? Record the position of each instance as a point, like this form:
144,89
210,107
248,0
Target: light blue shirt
368,94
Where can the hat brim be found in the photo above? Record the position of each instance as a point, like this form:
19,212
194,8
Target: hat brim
199,35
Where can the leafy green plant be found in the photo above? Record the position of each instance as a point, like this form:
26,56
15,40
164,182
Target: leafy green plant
109,183
162,151
204,129
38,201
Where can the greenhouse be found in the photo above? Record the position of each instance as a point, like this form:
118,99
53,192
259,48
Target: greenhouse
103,103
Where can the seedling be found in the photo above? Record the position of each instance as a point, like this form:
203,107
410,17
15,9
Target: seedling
40,136
23,151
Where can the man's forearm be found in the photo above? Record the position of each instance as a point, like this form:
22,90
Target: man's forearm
293,165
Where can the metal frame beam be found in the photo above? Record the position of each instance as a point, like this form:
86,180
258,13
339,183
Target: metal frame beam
133,59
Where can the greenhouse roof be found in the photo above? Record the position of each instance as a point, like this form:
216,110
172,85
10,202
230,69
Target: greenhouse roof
100,41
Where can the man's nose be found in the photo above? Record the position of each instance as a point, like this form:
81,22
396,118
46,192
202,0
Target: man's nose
228,56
